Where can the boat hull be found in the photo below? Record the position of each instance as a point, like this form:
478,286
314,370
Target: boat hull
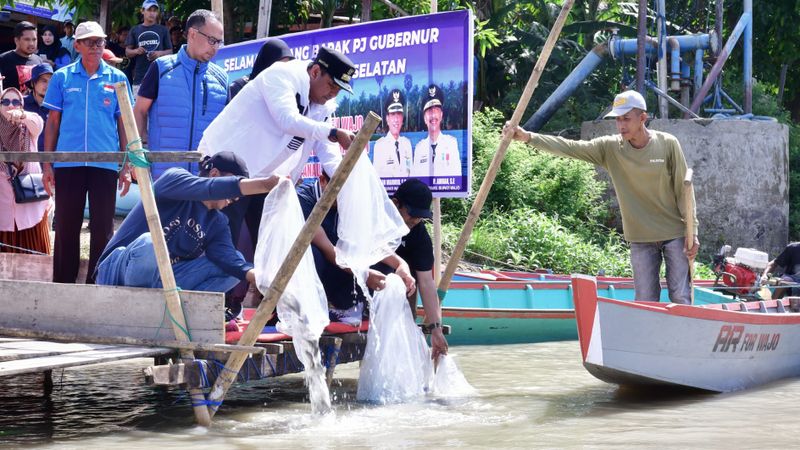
710,348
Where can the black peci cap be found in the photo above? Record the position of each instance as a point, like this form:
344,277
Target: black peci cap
227,162
433,97
395,102
416,197
337,65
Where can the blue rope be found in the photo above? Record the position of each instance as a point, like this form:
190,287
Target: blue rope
136,157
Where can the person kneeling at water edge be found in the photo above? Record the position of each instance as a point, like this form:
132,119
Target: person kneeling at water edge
198,239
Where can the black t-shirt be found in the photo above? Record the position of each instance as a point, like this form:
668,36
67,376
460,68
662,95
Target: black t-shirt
152,38
17,69
790,259
416,249
149,86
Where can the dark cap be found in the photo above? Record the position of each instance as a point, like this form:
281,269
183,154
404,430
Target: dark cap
416,197
337,65
395,102
227,162
433,97
39,70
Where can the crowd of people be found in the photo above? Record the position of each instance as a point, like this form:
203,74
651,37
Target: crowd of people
60,96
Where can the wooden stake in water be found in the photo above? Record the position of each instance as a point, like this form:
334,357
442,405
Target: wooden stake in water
160,246
500,154
228,375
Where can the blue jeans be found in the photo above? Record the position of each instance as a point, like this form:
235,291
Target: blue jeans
646,260
135,266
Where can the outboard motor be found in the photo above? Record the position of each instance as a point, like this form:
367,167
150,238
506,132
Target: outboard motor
742,272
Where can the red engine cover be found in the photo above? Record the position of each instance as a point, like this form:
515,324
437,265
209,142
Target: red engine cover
739,276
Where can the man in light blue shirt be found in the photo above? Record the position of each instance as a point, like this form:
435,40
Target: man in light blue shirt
84,117
68,41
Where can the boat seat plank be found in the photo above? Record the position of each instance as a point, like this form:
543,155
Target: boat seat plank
96,356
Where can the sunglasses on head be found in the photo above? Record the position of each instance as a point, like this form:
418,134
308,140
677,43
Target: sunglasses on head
9,102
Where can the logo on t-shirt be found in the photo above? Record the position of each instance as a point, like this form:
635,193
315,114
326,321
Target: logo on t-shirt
149,40
656,161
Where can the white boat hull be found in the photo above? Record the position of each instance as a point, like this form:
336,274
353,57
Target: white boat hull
645,343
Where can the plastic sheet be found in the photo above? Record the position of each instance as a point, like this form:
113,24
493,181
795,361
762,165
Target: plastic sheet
303,307
397,361
449,382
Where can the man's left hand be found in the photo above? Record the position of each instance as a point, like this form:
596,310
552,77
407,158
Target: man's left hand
124,182
405,274
692,252
438,343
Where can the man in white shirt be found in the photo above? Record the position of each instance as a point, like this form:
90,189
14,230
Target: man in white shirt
436,155
393,156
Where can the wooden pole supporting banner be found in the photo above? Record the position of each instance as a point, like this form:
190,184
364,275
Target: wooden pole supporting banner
437,240
688,205
296,252
160,246
217,8
500,154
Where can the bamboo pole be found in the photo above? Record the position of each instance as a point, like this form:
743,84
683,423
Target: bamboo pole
500,154
160,246
120,340
688,205
284,274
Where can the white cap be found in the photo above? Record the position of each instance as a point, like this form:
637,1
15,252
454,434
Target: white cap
625,102
88,30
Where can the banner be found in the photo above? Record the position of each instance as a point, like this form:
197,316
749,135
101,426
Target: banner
416,72
59,12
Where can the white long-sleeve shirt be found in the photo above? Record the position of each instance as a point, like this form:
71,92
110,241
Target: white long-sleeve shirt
273,125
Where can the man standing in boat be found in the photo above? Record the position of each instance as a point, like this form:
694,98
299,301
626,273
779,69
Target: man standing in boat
647,169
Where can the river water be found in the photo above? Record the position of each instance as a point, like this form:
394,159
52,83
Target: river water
529,396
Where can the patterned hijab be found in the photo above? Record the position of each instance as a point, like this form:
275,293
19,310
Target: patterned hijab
13,138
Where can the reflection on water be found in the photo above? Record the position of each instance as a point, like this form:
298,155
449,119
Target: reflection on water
534,395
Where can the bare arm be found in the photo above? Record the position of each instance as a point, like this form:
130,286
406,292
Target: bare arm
51,130
250,186
132,52
140,113
433,312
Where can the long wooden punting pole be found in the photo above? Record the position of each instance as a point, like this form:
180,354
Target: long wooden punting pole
284,274
688,205
500,154
160,246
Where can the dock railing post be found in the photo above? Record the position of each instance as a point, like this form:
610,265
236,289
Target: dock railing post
228,375
173,299
500,154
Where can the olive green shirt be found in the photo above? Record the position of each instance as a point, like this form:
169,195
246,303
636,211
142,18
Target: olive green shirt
648,181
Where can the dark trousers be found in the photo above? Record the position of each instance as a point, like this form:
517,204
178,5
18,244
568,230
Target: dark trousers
246,210
72,186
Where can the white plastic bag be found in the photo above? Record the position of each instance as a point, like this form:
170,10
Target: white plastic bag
370,226
303,307
448,381
397,361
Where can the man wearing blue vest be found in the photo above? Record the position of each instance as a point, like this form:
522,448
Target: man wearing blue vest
181,94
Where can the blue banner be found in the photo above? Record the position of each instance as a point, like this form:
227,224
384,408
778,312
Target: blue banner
416,72
59,12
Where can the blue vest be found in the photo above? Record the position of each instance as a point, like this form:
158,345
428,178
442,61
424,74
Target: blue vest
190,96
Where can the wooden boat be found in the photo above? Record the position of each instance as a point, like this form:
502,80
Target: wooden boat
721,348
517,307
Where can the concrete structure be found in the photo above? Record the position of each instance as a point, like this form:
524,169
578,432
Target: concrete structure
741,179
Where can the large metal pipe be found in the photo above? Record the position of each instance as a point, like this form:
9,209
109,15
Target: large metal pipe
686,81
723,56
625,47
640,52
590,62
698,69
661,27
748,59
675,64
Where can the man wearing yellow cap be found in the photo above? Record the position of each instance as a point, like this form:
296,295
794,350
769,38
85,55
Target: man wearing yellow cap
647,169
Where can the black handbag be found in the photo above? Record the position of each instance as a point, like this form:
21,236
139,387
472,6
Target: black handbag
28,188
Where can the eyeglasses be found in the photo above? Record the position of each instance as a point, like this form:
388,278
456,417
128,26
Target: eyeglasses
93,42
212,41
8,102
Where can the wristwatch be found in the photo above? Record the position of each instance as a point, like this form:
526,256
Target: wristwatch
427,328
332,134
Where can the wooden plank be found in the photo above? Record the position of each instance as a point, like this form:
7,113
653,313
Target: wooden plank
11,351
78,359
107,311
116,156
20,266
264,12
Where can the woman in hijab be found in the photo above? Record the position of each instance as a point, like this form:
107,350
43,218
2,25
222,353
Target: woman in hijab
272,51
23,226
51,51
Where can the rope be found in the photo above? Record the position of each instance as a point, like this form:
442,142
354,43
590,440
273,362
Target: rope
136,157
23,249
172,319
